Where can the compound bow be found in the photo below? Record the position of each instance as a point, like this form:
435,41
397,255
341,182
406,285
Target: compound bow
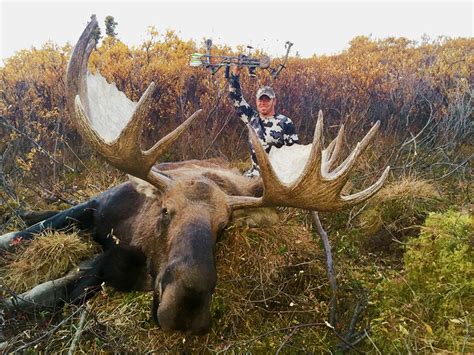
215,62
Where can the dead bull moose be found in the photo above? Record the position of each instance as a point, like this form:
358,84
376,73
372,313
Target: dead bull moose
167,218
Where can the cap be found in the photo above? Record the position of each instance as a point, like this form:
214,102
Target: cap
267,91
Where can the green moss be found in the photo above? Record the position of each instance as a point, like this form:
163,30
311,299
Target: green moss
429,305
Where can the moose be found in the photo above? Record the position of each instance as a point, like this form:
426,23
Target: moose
158,230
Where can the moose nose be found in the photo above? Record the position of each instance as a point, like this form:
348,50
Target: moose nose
185,290
185,310
198,326
202,328
187,281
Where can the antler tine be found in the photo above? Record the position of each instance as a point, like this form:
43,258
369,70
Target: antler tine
157,150
327,152
361,196
312,170
269,177
239,202
272,185
128,141
346,166
131,133
77,66
332,158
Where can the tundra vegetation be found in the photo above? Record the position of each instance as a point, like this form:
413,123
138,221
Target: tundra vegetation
403,260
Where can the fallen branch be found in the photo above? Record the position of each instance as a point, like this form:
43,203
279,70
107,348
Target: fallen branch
78,333
351,338
355,317
330,267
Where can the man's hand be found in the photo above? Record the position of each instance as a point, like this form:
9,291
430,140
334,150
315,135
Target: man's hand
235,68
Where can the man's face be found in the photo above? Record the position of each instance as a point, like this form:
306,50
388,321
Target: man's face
266,106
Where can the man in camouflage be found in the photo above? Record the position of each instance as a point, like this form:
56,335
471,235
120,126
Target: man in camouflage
273,130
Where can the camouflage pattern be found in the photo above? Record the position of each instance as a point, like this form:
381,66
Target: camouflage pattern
267,91
275,131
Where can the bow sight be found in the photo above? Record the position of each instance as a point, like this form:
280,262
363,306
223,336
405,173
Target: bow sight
214,62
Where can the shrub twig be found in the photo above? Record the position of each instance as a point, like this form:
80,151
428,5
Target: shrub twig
48,333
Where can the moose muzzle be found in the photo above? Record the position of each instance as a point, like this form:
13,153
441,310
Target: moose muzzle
185,286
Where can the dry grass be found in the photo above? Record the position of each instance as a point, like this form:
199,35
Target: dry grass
272,291
48,257
272,294
398,209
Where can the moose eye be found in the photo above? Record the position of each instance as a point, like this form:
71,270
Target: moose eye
164,218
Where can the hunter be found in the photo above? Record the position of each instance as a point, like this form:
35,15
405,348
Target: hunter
273,129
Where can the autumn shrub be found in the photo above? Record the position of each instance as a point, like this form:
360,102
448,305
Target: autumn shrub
428,307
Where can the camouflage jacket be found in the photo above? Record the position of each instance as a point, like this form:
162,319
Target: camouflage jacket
274,131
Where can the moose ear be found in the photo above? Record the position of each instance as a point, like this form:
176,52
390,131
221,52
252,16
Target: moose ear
143,187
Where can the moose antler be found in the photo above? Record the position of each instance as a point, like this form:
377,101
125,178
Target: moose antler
110,122
319,186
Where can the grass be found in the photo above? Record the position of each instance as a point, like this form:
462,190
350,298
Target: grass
50,256
271,279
